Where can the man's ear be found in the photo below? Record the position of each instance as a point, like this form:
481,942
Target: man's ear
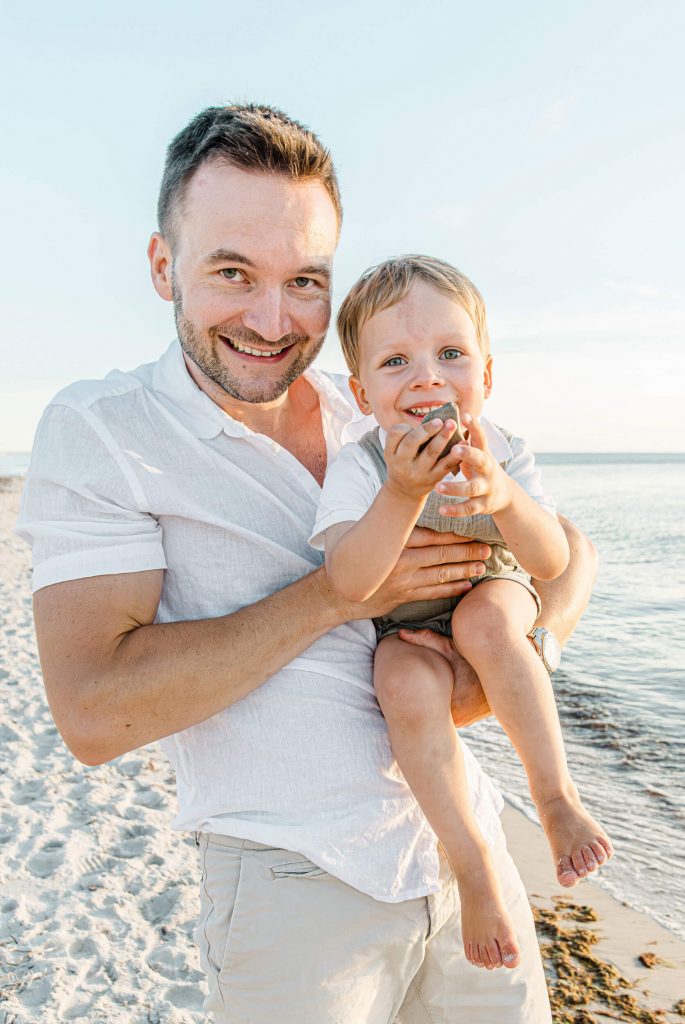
159,255
487,377
359,393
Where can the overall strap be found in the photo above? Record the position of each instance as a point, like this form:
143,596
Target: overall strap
371,443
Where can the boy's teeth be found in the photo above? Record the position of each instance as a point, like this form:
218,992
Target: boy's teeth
423,410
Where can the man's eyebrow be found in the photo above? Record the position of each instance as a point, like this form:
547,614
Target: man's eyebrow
316,270
227,256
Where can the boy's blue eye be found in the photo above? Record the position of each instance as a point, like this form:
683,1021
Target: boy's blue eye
395,361
451,353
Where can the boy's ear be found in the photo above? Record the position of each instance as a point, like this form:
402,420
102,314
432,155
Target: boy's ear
360,395
487,377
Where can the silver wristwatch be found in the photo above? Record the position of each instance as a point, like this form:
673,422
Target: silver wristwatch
547,646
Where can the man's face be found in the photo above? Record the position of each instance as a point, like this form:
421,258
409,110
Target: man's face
250,279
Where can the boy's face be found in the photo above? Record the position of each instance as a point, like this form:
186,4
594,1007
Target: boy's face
417,355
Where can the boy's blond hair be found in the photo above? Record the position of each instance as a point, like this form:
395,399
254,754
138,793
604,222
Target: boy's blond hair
382,286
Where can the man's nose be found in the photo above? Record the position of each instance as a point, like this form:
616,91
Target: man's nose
267,315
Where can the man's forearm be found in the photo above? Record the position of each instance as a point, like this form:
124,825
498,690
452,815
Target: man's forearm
158,679
565,599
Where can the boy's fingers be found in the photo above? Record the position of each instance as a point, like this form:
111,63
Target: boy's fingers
395,437
473,488
477,436
435,446
474,457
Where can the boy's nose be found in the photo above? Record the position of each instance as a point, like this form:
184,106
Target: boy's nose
267,315
427,374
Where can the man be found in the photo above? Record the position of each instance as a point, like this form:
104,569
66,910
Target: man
177,598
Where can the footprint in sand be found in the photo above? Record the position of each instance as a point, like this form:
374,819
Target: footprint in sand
75,1010
172,965
28,792
185,997
80,948
160,907
48,859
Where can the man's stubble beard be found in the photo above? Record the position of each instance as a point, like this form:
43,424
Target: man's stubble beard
205,356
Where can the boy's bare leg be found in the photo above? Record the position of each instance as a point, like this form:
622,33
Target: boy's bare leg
489,627
414,690
563,602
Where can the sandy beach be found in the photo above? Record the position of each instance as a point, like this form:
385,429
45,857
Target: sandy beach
98,897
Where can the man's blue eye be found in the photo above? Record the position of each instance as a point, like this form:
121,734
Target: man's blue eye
229,273
302,282
451,353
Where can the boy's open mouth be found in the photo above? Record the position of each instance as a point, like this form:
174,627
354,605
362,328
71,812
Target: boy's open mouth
257,354
418,412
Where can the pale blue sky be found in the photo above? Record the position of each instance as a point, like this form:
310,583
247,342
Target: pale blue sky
539,147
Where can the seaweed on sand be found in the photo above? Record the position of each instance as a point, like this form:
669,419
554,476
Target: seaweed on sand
584,989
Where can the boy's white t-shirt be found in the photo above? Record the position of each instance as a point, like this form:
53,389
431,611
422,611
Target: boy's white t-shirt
352,481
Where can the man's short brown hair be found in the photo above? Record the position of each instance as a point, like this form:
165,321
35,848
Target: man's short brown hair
256,138
382,286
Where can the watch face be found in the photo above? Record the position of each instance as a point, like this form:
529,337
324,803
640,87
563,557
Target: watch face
551,651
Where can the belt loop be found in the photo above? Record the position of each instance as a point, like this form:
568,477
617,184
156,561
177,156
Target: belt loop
197,839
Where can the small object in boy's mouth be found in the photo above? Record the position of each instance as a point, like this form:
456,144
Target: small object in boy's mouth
445,412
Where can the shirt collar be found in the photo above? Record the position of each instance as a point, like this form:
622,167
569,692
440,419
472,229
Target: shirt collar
500,449
206,420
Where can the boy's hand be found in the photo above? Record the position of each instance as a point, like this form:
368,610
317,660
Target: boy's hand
487,487
412,474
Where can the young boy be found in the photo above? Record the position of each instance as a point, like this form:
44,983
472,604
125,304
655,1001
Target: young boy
415,337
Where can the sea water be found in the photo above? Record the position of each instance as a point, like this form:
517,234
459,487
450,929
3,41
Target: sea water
621,685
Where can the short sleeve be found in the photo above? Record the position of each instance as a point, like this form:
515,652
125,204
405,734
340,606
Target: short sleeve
349,488
523,469
80,511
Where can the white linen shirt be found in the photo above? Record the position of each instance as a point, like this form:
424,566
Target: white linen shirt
142,471
352,480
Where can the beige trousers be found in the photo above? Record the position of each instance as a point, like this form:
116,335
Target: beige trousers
284,942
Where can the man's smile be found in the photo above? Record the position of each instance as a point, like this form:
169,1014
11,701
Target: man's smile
273,355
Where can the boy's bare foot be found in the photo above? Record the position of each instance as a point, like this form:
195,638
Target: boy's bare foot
579,845
487,932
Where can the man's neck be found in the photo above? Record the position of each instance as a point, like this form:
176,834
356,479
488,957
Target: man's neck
293,420
267,418
281,417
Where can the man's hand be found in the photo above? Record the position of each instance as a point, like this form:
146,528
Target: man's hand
433,565
487,487
413,458
469,704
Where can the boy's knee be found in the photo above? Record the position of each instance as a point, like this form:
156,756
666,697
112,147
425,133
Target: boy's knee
486,629
412,690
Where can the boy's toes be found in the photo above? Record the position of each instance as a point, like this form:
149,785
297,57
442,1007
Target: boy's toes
599,852
472,954
591,862
578,862
485,958
510,954
566,873
608,848
494,953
